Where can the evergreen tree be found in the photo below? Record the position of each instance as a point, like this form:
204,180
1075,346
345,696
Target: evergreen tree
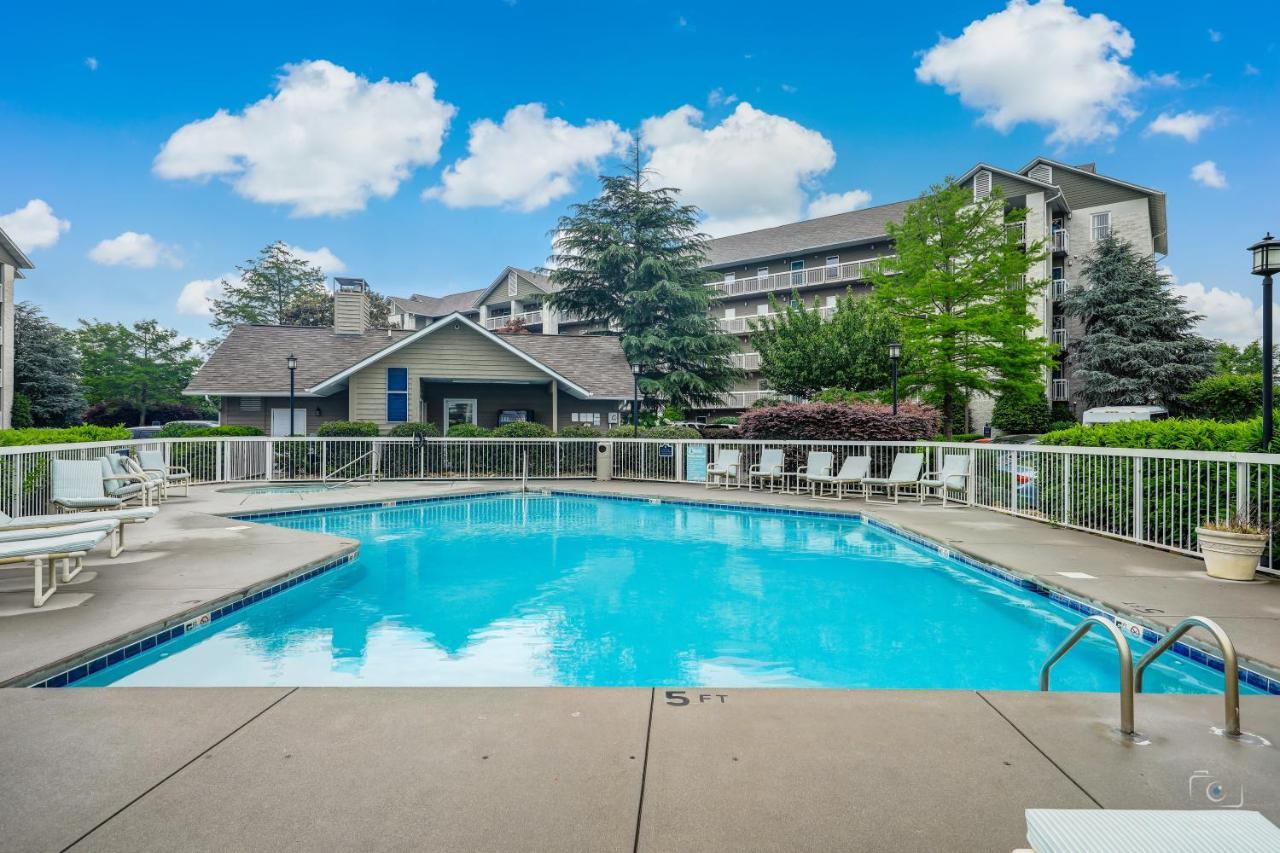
46,368
633,257
1139,346
270,289
801,353
958,287
143,364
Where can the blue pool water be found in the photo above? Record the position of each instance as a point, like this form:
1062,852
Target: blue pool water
565,590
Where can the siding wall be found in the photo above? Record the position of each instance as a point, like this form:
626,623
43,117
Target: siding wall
490,399
350,312
332,408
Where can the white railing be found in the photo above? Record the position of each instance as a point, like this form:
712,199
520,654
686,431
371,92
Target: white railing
747,399
742,325
746,360
528,318
1060,241
810,277
1153,497
1017,231
1060,390
1059,288
1060,337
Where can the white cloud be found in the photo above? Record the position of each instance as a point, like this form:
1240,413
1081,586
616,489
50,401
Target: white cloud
91,62
326,260
1169,79
1043,63
826,204
1228,316
326,142
717,98
1215,36
34,225
132,249
1251,70
1189,125
749,171
789,89
196,296
527,162
1208,174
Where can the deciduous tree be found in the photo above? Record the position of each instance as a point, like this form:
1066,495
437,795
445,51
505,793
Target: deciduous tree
143,364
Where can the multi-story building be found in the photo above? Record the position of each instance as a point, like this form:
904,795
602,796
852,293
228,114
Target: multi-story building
1068,207
12,262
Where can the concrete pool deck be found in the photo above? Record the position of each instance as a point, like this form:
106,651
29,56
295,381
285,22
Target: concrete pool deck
589,769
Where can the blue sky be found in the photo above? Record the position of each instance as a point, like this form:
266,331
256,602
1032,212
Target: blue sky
152,149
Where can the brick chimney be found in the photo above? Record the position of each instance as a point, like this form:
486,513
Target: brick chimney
350,306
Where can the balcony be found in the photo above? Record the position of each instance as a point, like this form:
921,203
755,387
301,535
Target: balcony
1060,241
746,399
1059,289
746,360
528,318
1060,337
1060,391
796,279
742,325
1017,232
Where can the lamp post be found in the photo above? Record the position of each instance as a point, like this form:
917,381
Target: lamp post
292,361
635,401
1266,263
895,353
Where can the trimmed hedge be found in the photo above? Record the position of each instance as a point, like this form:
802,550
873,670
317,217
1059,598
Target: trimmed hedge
225,431
656,432
348,429
1170,434
1020,412
835,422
522,429
467,431
67,435
579,431
415,428
727,420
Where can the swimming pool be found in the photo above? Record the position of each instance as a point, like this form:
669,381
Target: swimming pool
284,489
569,590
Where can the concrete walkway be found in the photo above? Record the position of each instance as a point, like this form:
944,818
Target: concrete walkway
571,769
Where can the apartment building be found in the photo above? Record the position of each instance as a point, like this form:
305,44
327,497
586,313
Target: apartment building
12,263
1069,207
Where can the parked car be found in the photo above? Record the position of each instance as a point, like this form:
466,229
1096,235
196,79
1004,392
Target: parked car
197,424
144,431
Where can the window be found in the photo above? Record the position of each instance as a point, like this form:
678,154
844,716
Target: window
833,266
590,418
763,272
458,412
762,309
981,185
797,272
1100,225
397,394
831,301
513,286
730,277
251,404
729,312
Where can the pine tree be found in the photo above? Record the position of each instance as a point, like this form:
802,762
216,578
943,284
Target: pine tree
633,257
267,290
958,286
1139,346
46,368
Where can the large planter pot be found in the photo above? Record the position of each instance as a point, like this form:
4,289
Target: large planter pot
1231,556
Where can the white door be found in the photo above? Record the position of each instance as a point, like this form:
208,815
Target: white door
280,422
458,412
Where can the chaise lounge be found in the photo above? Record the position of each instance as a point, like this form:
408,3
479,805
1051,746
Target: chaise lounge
905,474
48,550
852,472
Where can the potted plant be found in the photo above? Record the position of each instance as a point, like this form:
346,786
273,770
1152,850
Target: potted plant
1232,548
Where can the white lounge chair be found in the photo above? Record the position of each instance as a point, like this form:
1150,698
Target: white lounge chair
47,550
771,467
78,485
130,515
108,526
817,463
852,472
122,481
152,462
953,476
728,463
904,474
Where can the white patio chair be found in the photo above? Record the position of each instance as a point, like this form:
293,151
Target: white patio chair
953,476
727,464
47,550
131,515
771,467
817,463
905,474
852,472
152,462
107,526
120,482
78,485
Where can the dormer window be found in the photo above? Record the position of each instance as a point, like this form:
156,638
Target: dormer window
981,185
513,287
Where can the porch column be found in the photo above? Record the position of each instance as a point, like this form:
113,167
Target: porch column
555,406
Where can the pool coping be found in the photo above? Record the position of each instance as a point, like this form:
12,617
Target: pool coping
67,671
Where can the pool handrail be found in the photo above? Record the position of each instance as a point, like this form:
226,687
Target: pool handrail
1126,665
1230,666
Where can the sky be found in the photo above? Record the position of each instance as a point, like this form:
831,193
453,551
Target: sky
151,148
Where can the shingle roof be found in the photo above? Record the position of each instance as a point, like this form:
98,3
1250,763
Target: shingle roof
798,238
438,306
595,362
252,358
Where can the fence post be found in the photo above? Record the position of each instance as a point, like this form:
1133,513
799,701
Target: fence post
1066,488
971,482
467,445
1013,480
679,447
1137,498
1242,489
271,459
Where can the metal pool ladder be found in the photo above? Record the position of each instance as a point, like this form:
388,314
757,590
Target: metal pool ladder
1126,665
1230,668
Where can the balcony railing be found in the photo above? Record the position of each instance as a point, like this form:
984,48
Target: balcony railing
529,318
1060,337
809,277
746,360
1060,241
1017,231
1059,288
1060,390
742,325
746,399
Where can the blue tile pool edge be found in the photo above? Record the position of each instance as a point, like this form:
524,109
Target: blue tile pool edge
1127,623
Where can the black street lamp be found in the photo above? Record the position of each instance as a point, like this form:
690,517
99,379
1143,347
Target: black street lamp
635,401
1266,263
895,353
292,361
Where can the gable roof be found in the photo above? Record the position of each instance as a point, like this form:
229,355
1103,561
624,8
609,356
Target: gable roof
811,235
10,248
594,361
1156,198
538,280
438,306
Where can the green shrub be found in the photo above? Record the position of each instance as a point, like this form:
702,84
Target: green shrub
671,432
522,429
579,431
467,431
348,429
1021,412
413,429
960,437
1061,411
20,416
847,397
1057,426
223,431
66,435
727,420
1225,397
1169,434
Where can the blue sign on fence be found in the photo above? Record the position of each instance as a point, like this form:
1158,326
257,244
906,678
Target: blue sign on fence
667,451
695,463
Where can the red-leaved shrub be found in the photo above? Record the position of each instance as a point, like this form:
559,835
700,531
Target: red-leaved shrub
839,422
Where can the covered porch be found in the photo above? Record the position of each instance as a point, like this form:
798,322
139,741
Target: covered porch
489,404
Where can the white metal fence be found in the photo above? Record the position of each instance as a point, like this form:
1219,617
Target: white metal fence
1153,497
